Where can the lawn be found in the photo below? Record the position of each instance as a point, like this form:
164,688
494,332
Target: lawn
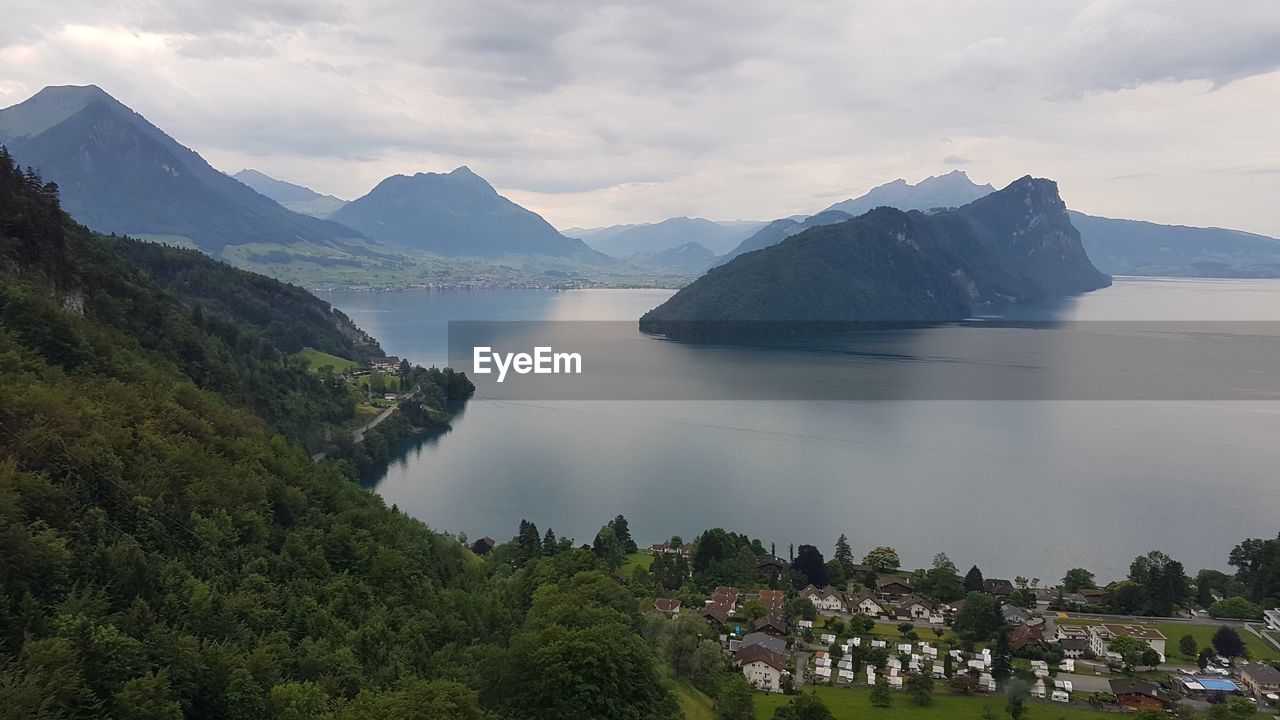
694,704
636,560
317,360
855,702
1257,647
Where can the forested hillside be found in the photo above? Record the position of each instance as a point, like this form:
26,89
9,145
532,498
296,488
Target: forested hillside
166,551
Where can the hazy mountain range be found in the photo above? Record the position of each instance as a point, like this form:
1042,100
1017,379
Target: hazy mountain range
297,198
1016,245
119,173
456,214
627,240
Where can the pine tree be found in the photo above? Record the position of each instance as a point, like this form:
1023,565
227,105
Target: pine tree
973,580
844,553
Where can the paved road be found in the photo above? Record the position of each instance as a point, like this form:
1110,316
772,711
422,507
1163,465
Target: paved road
358,434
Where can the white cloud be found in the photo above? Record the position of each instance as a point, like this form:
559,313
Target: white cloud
602,112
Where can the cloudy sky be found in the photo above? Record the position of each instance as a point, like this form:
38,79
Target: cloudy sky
594,112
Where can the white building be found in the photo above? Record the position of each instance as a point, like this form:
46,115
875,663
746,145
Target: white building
762,667
1100,637
826,599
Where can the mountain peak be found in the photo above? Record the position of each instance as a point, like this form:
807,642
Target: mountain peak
47,108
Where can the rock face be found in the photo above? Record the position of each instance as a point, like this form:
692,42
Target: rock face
455,213
889,266
119,173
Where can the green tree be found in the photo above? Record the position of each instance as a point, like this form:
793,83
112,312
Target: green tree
298,701
733,701
1187,646
973,580
980,617
836,573
1077,579
622,530
809,563
1236,608
1228,643
881,696
1134,653
904,628
882,559
1002,656
149,697
752,610
920,688
608,548
844,554
803,707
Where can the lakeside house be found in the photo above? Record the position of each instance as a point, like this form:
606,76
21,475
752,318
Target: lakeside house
1261,679
667,606
912,607
727,596
716,614
893,587
1027,635
1135,694
762,667
772,625
866,603
669,549
826,599
772,600
1100,637
997,587
388,363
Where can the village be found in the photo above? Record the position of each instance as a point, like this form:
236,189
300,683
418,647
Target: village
877,631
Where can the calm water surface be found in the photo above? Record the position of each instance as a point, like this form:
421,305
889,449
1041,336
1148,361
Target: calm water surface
1020,488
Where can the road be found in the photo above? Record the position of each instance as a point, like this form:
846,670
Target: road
358,434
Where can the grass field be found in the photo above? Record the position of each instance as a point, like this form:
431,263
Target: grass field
855,702
693,703
1258,649
636,560
317,360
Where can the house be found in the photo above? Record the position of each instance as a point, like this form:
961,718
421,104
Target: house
1261,679
1065,632
1073,647
1093,596
716,614
483,546
866,603
772,566
762,667
1013,614
668,548
773,642
667,606
893,587
771,625
727,596
911,607
1100,637
1135,694
1272,619
1029,635
825,600
772,600
997,587
387,363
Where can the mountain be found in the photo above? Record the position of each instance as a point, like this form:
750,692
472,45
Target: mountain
119,173
625,241
941,191
688,259
1013,246
457,214
781,229
1134,247
297,198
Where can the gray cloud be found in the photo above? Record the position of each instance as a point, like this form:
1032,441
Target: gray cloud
602,111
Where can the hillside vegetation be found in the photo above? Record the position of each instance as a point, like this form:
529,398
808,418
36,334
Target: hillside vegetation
166,551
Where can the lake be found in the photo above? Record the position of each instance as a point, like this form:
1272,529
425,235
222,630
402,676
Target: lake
1018,487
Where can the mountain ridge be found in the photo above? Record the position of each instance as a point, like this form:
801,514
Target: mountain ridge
890,266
